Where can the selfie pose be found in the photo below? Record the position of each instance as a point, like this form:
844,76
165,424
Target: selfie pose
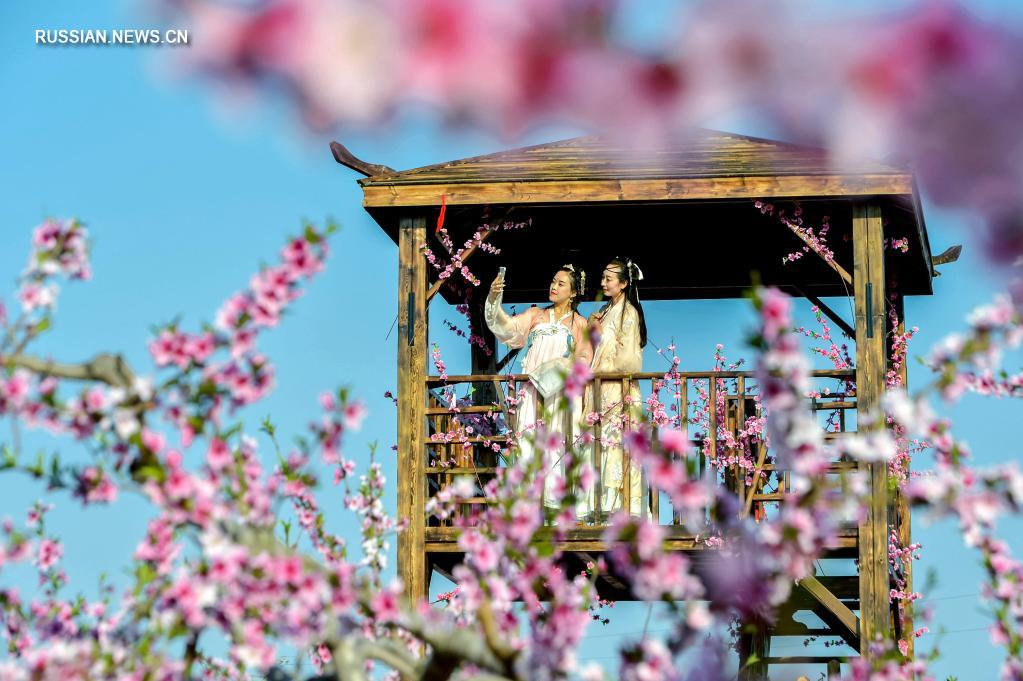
550,338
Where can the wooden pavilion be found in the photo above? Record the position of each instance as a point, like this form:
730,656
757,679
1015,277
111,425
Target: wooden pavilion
686,213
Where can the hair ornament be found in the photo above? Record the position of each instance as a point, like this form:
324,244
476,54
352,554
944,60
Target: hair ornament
635,274
580,274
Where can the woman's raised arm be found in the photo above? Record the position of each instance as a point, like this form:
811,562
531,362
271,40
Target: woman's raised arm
512,331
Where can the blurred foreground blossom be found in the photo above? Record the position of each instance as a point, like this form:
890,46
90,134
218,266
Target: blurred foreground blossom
934,85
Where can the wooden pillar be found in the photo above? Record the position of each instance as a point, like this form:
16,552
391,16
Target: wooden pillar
869,284
412,341
754,649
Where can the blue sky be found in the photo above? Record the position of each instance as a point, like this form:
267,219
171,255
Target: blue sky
184,200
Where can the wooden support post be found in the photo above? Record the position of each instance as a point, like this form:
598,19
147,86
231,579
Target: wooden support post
841,271
412,340
834,612
833,316
462,255
869,280
754,649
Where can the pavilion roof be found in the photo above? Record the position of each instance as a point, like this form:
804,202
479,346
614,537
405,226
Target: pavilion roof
706,164
696,191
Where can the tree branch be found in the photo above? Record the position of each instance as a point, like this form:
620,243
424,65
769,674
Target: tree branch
448,643
347,661
105,368
486,617
391,654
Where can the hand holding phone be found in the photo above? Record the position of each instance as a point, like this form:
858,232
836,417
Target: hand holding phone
497,288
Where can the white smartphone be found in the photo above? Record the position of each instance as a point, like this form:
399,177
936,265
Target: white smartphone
500,271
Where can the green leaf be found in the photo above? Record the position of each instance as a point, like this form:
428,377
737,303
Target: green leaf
151,472
232,431
268,427
144,574
37,469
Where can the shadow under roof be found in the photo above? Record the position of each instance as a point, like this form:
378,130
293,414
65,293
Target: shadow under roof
683,195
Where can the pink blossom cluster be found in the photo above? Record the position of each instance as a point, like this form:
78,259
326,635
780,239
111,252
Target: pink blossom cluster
243,375
894,244
172,347
972,361
456,263
976,498
503,562
899,466
900,563
815,240
59,248
638,555
783,376
577,379
438,362
838,355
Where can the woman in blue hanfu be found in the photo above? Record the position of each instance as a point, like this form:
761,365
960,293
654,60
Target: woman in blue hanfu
551,338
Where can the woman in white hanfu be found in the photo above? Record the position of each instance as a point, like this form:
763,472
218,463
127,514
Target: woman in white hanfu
550,337
622,329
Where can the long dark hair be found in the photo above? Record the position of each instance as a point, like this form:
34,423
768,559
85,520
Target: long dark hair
577,278
629,274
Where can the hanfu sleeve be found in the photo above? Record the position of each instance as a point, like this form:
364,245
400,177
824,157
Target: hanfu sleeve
512,331
583,348
628,355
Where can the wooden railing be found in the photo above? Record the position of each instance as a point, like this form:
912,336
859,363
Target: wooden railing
472,436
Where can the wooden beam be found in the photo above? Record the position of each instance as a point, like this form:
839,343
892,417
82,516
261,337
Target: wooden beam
381,193
847,329
463,255
833,611
842,272
412,341
921,235
758,470
805,659
869,279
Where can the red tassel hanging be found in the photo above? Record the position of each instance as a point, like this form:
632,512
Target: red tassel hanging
443,209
